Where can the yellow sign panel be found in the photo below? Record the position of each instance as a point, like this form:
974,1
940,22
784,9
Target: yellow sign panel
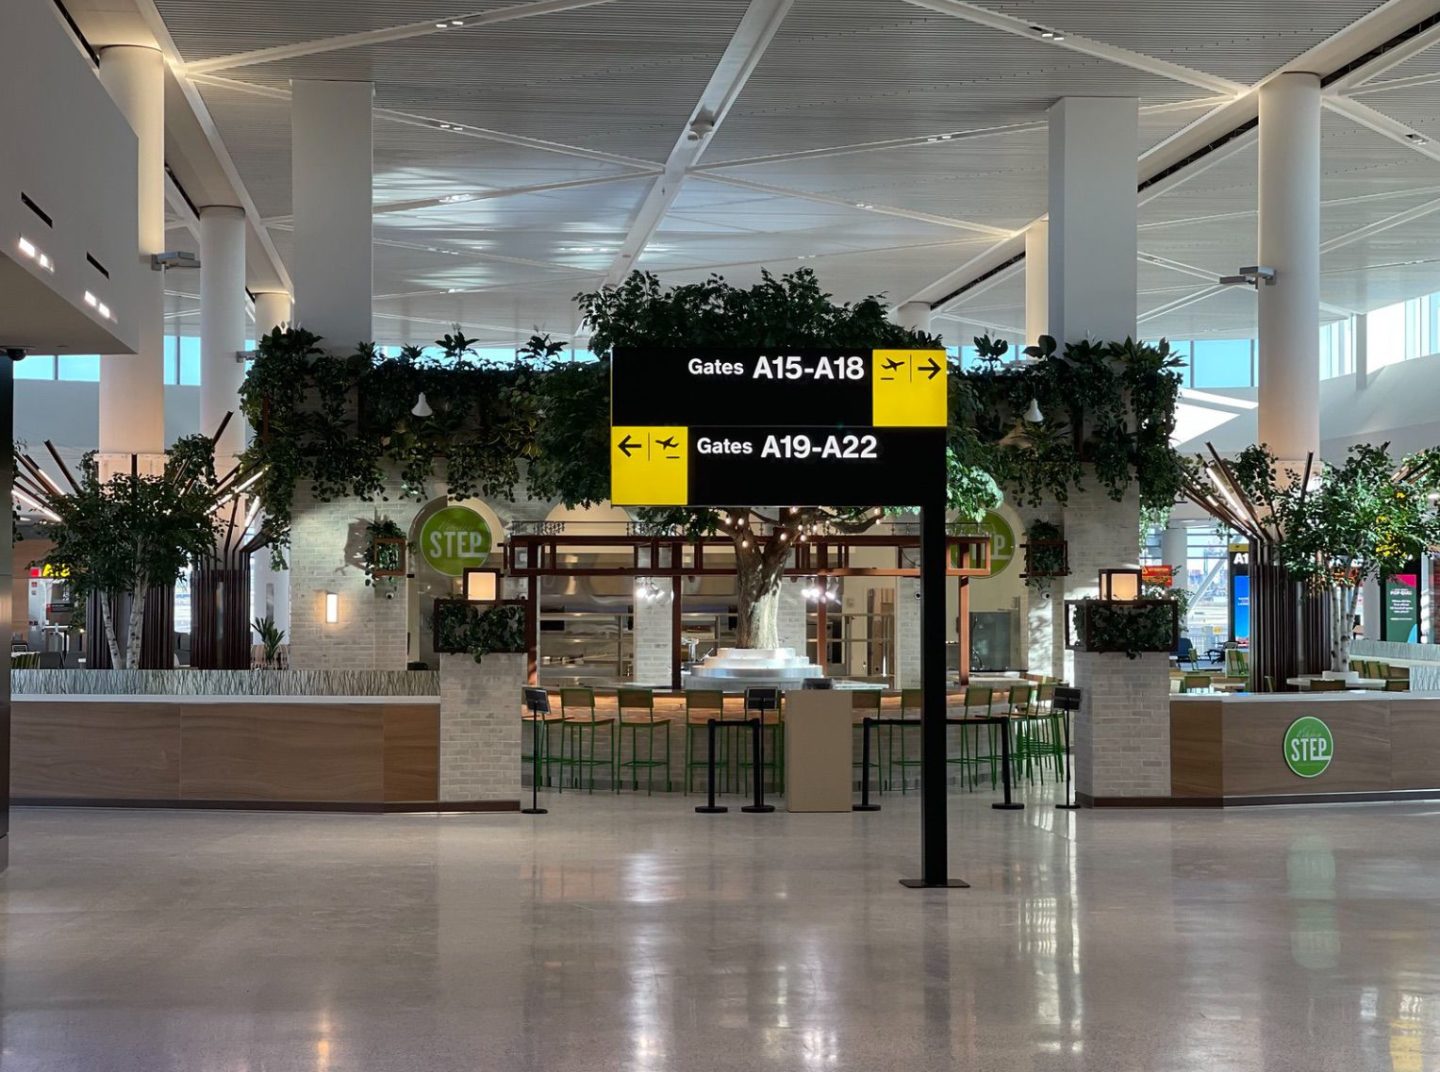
909,388
649,466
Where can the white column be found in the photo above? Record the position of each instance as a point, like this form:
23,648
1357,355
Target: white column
914,316
1175,551
272,310
1360,339
132,386
653,637
1094,143
222,327
1037,281
1289,413
331,163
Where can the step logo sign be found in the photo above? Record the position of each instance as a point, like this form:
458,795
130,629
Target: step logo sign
1309,747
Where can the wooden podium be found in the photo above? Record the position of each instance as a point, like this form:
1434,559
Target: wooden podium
818,750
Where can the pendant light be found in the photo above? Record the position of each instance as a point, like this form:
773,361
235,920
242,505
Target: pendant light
421,407
1033,414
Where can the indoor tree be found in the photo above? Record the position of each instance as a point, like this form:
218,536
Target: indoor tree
1365,518
123,536
572,460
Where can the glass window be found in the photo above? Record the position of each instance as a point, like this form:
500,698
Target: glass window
80,367
189,361
1385,333
36,367
1222,363
172,366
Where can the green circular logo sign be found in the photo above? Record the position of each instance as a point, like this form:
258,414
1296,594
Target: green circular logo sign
455,539
1308,747
1002,542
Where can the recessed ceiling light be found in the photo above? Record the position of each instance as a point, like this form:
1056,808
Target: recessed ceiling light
27,247
1416,139
455,199
457,22
863,204
91,300
441,25
454,290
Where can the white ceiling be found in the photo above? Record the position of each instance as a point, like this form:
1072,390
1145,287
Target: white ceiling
571,114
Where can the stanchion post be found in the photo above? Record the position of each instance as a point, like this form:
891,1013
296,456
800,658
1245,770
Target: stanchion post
1007,804
1067,704
757,751
538,701
710,807
865,726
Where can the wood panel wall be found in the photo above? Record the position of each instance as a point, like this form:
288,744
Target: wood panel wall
179,751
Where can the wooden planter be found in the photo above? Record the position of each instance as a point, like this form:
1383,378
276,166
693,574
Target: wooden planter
387,556
1040,552
1129,627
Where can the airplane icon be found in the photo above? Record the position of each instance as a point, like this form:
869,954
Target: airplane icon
891,364
668,443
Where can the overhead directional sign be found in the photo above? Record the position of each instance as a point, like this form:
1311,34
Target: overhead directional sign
838,428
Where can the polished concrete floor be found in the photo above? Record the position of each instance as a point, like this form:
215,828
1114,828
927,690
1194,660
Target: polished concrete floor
631,934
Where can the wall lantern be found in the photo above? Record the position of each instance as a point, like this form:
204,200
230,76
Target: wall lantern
1120,584
332,608
482,585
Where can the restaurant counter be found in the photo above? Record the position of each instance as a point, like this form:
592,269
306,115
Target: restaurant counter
340,753
1254,748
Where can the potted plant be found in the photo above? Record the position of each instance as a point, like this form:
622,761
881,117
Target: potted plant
1047,555
465,628
271,639
383,556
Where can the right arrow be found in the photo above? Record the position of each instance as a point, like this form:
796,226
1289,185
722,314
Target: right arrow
626,446
933,368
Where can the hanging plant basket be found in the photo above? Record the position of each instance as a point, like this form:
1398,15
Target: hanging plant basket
387,556
1047,554
1129,627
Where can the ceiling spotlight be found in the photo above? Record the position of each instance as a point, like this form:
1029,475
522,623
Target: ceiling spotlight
455,199
1416,139
422,407
863,204
702,126
441,25
454,290
457,22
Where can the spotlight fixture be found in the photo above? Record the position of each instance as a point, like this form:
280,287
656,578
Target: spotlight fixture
1033,414
1416,139
174,258
422,407
456,199
1048,35
1250,276
36,254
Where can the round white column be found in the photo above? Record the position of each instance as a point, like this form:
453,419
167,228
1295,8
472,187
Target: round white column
1175,551
913,316
272,310
222,326
132,386
1037,281
1289,413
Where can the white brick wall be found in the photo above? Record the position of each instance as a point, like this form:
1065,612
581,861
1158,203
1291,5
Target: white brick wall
1102,534
1044,653
1122,731
654,645
907,633
480,727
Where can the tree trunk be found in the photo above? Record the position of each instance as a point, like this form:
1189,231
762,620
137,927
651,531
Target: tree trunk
107,616
1342,616
758,579
136,633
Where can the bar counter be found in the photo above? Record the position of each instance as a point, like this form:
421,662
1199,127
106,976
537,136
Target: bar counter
338,753
1232,750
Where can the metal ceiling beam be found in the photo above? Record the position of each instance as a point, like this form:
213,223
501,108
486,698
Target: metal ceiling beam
445,126
1086,46
988,283
1203,294
1383,125
1392,84
464,21
1234,147
987,260
845,202
1380,226
752,37
1385,61
180,205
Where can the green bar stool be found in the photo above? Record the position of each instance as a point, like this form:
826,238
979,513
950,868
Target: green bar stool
912,702
1025,745
581,723
978,703
701,705
1051,732
637,714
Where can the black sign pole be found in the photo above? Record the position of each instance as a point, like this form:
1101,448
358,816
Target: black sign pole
934,835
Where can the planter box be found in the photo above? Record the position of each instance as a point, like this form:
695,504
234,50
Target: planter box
1131,627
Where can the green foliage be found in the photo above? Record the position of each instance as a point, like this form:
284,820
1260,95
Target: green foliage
375,557
271,637
336,424
1109,405
464,627
1045,557
1129,627
1364,518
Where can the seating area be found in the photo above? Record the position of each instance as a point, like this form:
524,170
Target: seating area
638,739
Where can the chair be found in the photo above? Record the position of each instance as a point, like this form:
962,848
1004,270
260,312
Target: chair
1191,682
637,714
1028,743
865,703
911,700
1321,684
1185,653
540,717
1397,684
577,705
702,705
978,703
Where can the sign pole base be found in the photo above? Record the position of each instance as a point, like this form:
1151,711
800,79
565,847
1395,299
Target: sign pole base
921,884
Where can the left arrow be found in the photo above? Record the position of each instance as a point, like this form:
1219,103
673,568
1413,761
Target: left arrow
627,446
933,368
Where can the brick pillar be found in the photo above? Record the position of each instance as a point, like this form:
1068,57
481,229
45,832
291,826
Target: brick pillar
480,728
654,644
1122,731
1044,650
1102,534
907,633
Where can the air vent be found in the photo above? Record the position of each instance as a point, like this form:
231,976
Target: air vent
97,265
33,207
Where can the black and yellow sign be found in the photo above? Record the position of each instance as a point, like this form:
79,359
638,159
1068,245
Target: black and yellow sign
834,428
